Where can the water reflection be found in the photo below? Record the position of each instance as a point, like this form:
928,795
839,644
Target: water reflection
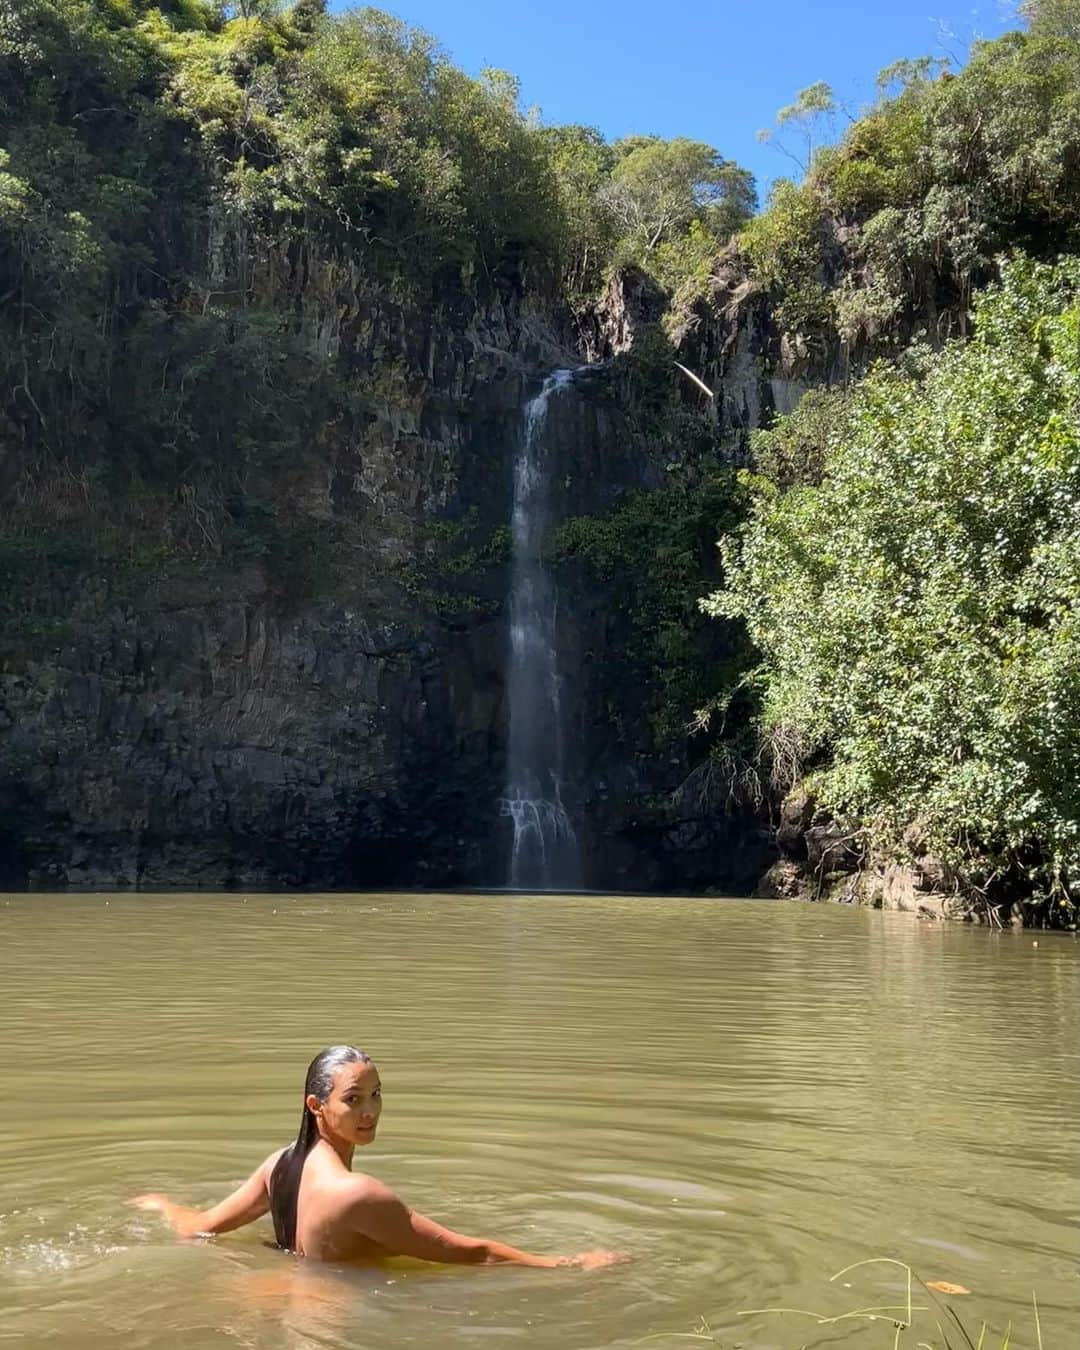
746,1096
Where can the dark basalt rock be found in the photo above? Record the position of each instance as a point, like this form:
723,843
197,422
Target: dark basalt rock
216,730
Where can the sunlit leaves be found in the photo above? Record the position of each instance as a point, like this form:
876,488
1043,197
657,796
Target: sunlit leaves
896,224
918,608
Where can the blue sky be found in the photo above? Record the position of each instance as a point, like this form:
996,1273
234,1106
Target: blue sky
713,70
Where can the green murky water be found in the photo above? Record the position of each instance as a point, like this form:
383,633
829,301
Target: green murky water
746,1096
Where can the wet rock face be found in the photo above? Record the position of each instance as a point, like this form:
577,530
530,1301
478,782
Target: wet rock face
224,746
221,733
217,731
630,303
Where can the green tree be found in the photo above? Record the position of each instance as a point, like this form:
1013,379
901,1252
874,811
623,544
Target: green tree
252,9
659,187
1053,18
895,226
918,608
811,115
582,161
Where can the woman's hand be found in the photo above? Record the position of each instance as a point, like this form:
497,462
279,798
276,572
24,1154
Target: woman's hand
246,1204
596,1259
185,1222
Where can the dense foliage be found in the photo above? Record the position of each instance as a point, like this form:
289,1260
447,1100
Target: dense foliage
166,168
180,180
672,205
918,608
649,558
894,227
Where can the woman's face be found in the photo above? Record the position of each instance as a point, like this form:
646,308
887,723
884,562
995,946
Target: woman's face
351,1111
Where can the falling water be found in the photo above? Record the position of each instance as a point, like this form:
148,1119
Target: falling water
545,853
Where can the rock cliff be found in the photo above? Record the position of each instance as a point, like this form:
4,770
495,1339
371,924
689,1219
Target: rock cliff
211,726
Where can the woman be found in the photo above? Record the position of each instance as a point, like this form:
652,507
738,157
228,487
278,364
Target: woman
324,1211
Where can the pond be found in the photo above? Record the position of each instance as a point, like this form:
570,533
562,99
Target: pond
745,1096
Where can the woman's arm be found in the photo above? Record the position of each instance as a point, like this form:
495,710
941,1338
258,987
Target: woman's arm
246,1204
378,1214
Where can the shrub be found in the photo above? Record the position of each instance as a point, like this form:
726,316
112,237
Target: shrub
918,609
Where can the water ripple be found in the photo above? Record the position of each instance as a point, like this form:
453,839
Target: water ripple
745,1096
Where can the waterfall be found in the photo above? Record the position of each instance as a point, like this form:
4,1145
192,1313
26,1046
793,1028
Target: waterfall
545,854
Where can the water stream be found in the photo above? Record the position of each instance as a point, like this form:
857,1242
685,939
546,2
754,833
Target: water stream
544,852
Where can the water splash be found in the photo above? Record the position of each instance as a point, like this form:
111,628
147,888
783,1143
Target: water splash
545,853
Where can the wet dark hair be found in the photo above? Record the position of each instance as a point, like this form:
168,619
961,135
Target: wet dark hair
285,1178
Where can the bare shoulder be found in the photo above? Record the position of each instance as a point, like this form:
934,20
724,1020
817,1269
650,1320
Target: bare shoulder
359,1190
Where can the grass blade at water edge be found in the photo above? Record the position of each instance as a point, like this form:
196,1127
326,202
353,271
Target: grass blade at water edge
885,1260
963,1330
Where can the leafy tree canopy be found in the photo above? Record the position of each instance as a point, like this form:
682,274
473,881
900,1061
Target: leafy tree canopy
916,599
895,226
